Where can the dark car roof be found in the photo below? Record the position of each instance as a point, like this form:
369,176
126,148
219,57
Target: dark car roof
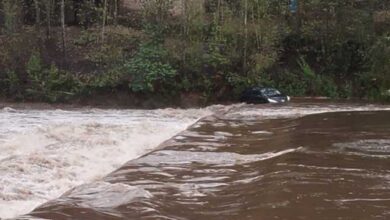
264,91
260,89
254,89
260,94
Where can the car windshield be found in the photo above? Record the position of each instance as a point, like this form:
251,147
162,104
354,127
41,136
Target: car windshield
270,92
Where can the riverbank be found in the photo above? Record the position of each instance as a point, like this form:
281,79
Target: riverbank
208,54
120,100
128,102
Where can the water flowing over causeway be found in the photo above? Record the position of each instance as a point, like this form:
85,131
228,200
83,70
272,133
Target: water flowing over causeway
297,161
44,153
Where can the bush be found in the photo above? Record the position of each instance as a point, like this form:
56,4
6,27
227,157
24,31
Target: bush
105,81
11,84
318,85
291,83
148,69
49,84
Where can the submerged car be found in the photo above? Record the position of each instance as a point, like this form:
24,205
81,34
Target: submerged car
256,95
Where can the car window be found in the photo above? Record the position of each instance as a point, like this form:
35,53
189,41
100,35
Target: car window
270,92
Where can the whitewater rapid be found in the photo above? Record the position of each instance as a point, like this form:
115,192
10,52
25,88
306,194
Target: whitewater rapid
44,153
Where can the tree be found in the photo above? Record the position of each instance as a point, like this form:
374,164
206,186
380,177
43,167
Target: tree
104,18
116,12
48,6
11,12
37,14
246,35
63,31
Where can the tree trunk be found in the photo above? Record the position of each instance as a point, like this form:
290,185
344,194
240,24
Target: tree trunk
104,19
48,18
246,35
37,15
299,17
219,12
185,30
63,31
115,12
184,16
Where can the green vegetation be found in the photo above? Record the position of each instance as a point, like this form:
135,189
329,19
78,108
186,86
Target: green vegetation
62,50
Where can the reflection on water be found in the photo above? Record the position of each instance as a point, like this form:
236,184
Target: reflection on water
253,162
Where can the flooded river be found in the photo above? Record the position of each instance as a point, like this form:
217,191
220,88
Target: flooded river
296,161
44,153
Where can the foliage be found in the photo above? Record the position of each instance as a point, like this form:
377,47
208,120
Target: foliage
12,84
119,45
291,83
316,84
215,48
107,81
49,84
85,38
148,69
10,11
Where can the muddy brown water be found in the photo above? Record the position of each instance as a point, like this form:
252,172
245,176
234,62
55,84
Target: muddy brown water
333,165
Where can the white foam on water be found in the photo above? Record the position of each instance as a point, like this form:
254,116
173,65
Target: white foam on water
44,153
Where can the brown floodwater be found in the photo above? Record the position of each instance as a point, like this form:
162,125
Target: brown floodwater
253,162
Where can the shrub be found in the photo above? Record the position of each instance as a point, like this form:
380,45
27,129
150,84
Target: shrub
148,69
317,84
12,84
49,84
291,83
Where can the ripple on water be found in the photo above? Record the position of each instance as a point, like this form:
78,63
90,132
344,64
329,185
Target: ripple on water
201,175
216,158
369,148
106,195
44,153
